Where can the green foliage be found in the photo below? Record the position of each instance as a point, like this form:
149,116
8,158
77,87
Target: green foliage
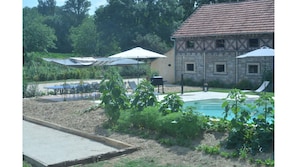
245,85
84,38
26,164
37,36
267,102
113,96
217,125
76,11
171,103
124,123
185,125
168,124
152,42
244,136
144,96
146,119
36,69
136,23
234,102
129,71
212,150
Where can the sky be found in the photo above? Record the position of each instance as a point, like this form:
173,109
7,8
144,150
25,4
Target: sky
95,4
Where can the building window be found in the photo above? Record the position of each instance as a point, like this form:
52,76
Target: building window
190,44
254,42
220,43
189,67
253,68
220,68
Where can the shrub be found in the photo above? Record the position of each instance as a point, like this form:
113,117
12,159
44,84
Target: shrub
182,125
244,85
124,122
171,103
243,134
168,124
113,96
146,119
144,96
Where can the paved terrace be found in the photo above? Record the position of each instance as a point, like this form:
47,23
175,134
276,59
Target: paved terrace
193,96
46,144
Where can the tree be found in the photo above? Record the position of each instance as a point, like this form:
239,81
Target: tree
117,26
151,42
46,7
138,22
37,36
76,11
84,37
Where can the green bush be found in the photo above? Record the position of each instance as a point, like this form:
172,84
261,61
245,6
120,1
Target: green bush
113,96
168,124
124,122
144,96
243,134
245,85
171,103
146,119
182,125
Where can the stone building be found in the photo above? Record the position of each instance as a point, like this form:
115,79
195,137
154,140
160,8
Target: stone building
207,43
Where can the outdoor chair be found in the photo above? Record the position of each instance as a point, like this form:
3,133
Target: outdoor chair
132,85
260,89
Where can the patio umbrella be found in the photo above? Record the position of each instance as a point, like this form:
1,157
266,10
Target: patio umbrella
262,52
138,53
90,61
116,62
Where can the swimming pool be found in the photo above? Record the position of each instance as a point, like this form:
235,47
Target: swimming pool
212,108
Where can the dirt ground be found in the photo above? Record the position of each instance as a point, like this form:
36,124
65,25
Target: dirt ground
70,114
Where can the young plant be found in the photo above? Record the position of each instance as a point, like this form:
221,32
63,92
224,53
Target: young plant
171,103
267,102
239,134
234,102
144,96
113,96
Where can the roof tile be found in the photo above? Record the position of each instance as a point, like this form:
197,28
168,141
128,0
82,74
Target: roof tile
256,16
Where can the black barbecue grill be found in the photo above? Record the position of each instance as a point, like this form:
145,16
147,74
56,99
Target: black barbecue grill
157,81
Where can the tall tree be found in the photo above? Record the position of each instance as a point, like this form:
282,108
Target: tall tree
37,36
46,7
138,21
76,10
84,38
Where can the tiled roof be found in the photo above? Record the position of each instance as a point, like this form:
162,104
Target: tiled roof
248,17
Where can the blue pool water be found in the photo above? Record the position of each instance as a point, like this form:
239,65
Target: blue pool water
212,108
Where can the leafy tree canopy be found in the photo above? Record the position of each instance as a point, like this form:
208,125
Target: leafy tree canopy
37,36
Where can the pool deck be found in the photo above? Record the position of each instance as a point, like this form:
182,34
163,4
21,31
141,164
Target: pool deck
189,96
193,96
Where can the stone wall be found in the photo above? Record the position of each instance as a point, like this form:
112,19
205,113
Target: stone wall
205,56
